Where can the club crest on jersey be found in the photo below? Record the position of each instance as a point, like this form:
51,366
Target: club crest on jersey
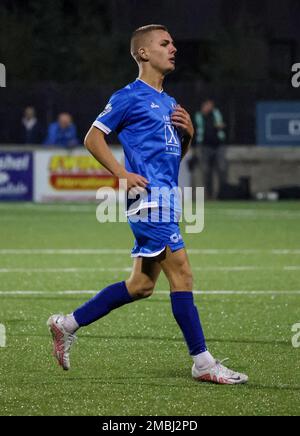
175,238
107,109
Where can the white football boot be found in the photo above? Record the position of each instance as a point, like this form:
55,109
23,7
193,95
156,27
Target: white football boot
62,340
219,374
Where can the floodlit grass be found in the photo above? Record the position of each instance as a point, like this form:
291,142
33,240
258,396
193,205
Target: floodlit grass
134,361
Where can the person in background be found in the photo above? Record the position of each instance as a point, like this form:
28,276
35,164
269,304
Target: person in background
63,132
31,131
209,150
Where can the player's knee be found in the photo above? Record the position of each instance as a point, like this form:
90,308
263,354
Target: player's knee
183,279
144,291
141,289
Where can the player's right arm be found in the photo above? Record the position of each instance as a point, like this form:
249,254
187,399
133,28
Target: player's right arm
96,144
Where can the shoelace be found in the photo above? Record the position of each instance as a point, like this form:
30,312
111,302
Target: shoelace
69,342
228,372
223,360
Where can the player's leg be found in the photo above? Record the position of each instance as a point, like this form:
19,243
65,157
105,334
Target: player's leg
140,285
143,278
177,269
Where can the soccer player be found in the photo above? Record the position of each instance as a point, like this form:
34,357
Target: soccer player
155,133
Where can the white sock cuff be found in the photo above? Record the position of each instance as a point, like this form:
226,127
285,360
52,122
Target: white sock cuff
203,360
70,323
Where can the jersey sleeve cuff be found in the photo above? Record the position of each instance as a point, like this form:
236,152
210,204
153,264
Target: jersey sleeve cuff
102,127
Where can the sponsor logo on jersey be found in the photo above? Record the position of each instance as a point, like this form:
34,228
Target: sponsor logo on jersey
172,140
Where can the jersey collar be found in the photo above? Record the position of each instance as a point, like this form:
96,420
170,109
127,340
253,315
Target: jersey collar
147,84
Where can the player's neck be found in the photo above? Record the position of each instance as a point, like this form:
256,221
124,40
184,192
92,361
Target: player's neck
154,80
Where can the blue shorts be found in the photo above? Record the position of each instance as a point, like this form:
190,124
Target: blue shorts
152,238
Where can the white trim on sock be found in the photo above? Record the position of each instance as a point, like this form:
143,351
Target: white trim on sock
204,360
70,323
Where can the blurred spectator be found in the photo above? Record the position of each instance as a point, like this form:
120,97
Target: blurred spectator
63,132
31,131
209,150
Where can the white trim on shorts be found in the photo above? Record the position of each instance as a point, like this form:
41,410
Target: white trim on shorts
148,254
156,253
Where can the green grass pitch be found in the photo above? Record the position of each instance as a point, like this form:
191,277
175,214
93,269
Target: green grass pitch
134,361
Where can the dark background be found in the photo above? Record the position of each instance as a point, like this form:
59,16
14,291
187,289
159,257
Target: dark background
70,55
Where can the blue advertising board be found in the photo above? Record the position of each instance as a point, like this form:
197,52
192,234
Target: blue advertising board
278,123
16,176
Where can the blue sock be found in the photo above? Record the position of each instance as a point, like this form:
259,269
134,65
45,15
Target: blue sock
110,298
187,317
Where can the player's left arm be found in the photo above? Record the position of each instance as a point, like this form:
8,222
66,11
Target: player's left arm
182,121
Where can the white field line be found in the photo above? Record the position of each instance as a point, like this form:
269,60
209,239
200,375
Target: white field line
254,213
50,208
61,270
64,251
93,292
100,251
234,212
129,269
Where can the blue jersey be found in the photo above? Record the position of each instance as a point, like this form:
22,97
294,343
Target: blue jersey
141,116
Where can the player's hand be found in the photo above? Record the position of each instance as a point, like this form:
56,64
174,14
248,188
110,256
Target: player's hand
135,181
182,121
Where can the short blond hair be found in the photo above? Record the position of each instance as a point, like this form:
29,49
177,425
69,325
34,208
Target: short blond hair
138,38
